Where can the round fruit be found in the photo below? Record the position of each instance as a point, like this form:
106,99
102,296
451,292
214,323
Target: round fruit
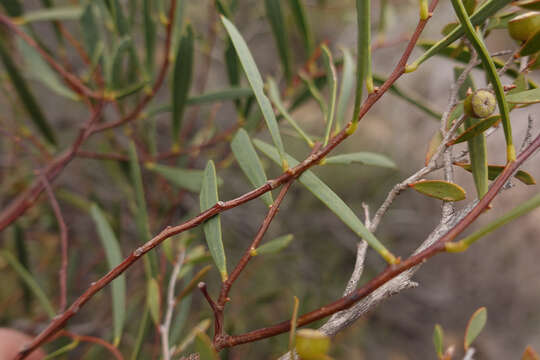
524,26
311,344
480,104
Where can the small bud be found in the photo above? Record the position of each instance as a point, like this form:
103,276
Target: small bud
524,26
480,104
311,344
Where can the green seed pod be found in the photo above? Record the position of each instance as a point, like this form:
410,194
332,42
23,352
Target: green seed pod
480,104
312,344
524,26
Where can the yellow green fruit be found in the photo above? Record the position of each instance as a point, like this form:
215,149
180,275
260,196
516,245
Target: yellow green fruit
524,26
311,344
480,104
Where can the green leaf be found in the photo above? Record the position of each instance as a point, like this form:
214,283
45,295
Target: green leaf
433,145
114,257
149,28
447,29
279,30
56,13
525,97
42,72
332,85
182,76
118,16
363,65
141,334
477,128
528,4
188,179
141,215
203,345
177,27
30,282
331,200
273,92
477,42
153,300
438,336
212,227
26,96
63,350
90,31
119,76
12,7
275,246
364,158
345,89
439,189
294,323
256,83
249,162
201,327
496,170
484,12
300,18
475,326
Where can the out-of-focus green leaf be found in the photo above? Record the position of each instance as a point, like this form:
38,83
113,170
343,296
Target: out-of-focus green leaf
332,85
364,158
279,29
433,145
203,345
438,337
153,300
26,97
273,92
212,227
183,73
118,16
475,326
447,29
114,257
528,4
90,31
363,64
345,89
73,12
188,179
331,200
141,334
274,246
500,21
439,189
470,6
249,162
201,327
300,18
477,128
42,72
178,28
496,170
12,7
255,80
63,350
524,97
30,282
149,28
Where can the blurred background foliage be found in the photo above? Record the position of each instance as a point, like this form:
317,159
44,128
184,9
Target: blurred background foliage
499,272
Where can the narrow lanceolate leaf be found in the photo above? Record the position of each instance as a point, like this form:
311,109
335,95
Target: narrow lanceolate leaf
332,201
184,178
149,28
177,27
26,97
41,71
203,346
153,300
332,86
531,46
363,64
114,257
496,170
63,350
485,11
29,280
364,158
345,89
212,227
55,13
439,189
90,30
491,72
141,215
249,162
256,83
525,97
118,16
300,18
279,29
475,326
433,145
121,76
274,246
475,128
294,321
182,75
438,337
201,327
